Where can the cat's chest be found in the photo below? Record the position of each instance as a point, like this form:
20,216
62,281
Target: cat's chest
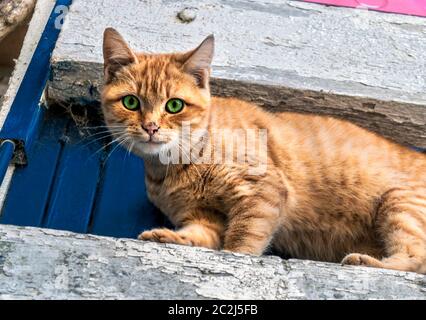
182,192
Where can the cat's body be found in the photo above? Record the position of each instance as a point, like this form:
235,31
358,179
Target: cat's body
332,174
331,191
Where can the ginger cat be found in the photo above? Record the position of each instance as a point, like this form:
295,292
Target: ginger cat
316,187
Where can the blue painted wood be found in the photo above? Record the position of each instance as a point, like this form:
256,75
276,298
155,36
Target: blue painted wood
122,208
68,186
31,185
75,184
7,148
25,115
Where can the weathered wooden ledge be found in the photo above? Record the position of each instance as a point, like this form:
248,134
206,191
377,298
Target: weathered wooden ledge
46,264
365,66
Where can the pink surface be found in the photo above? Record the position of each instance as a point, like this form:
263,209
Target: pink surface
412,7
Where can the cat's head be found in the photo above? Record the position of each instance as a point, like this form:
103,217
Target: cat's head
148,98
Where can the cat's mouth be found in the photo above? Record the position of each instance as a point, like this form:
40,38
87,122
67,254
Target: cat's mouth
145,145
150,141
153,142
151,145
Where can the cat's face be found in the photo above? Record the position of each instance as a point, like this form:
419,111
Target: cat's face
148,99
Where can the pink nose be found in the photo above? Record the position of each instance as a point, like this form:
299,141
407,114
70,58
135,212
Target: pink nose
151,128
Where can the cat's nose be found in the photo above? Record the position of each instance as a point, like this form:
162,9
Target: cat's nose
151,128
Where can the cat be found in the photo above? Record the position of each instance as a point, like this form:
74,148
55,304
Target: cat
329,191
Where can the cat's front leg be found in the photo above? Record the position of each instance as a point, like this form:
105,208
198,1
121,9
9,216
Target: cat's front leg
164,235
199,232
252,224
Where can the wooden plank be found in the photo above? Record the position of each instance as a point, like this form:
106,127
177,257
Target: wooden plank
26,112
46,264
75,185
31,185
35,29
122,208
367,67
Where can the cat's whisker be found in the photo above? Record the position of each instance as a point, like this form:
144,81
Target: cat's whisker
107,145
103,147
127,154
116,147
101,133
88,134
105,130
103,127
105,136
131,146
93,141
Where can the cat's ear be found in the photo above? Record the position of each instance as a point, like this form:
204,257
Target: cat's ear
198,62
117,53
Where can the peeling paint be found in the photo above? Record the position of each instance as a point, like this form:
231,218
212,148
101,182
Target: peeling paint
46,264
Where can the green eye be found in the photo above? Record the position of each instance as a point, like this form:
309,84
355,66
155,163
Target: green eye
131,103
175,106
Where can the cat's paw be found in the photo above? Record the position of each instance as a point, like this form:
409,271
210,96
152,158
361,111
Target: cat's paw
165,236
357,259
